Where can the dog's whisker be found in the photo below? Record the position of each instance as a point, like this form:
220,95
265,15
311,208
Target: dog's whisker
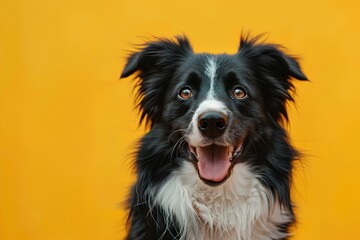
176,131
177,144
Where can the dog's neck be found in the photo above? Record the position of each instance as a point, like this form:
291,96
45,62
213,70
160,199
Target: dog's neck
240,208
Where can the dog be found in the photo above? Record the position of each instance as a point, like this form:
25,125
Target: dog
217,161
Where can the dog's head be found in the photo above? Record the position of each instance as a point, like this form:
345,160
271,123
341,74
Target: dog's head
216,103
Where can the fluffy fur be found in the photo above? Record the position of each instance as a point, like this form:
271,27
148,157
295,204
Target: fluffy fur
217,162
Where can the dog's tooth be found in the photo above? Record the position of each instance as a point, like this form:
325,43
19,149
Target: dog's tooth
231,153
239,151
231,148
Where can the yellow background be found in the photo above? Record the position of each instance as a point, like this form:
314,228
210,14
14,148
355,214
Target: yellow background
67,125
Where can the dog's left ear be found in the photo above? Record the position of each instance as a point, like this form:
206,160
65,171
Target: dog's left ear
271,57
155,63
275,70
294,68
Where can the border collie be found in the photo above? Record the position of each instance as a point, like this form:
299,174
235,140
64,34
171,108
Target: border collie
216,162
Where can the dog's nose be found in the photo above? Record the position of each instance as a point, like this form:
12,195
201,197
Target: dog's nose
212,124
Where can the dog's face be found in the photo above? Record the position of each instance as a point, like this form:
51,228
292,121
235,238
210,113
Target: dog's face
216,104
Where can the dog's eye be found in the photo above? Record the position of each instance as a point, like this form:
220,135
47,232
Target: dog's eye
239,92
185,93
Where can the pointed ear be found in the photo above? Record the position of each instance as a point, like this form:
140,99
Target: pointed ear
155,54
132,65
294,68
275,70
272,56
155,63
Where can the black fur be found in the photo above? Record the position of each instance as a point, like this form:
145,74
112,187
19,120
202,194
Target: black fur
162,67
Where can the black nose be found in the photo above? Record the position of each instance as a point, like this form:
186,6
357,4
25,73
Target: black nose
212,124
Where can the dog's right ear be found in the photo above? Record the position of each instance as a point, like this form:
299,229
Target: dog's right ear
156,54
132,65
155,62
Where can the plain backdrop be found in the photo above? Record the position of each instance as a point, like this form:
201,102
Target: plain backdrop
68,128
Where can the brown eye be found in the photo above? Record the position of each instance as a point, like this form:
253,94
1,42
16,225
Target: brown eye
185,93
239,92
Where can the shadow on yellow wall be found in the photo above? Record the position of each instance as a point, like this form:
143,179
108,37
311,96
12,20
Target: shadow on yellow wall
67,125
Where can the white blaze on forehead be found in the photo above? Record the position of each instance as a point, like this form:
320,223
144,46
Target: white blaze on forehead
210,71
212,105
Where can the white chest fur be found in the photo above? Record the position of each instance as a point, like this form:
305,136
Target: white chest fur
238,209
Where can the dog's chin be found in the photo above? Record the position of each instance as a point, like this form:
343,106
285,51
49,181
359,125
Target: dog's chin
214,162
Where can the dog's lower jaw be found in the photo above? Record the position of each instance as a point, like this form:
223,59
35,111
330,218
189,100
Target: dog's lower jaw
240,208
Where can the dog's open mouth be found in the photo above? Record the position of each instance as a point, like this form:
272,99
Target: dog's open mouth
214,162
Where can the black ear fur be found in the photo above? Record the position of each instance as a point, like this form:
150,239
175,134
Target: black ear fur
155,63
132,65
294,68
275,69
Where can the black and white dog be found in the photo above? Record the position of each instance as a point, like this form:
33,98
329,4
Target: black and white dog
217,162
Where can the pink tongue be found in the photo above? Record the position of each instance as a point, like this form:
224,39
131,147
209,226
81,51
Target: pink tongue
213,162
